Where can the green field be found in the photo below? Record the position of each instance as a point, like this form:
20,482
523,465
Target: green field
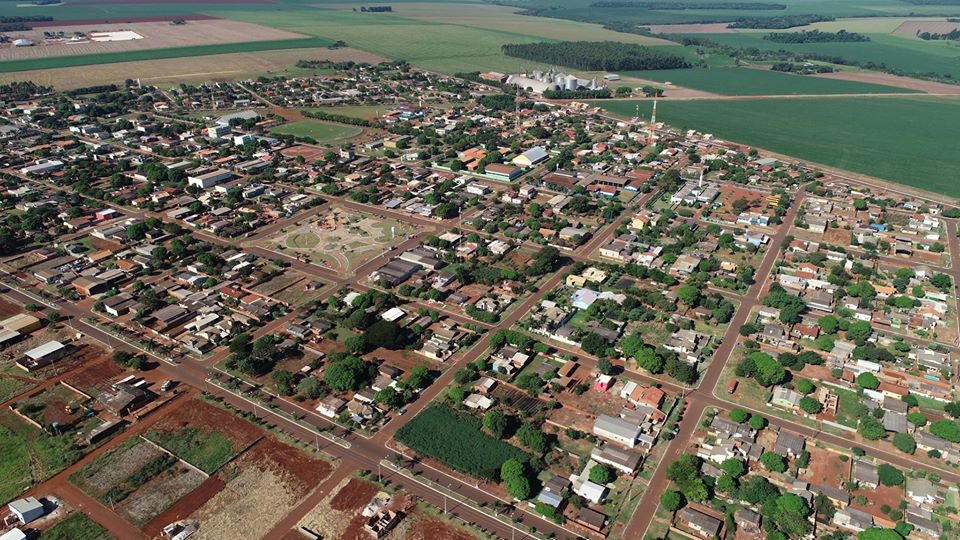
30,455
457,440
757,82
320,131
158,54
909,140
205,451
76,526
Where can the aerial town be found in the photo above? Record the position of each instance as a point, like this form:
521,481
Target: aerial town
489,315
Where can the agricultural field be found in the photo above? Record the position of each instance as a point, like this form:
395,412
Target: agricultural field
53,62
758,82
321,132
855,134
76,526
204,436
30,455
155,35
456,440
339,239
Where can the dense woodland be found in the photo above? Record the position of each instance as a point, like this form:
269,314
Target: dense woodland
952,35
596,55
689,5
815,36
779,23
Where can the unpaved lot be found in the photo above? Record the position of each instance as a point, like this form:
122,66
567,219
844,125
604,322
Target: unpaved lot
159,493
195,69
264,484
156,35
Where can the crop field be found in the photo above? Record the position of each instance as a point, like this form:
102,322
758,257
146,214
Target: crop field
757,82
156,35
321,132
869,136
203,435
76,526
195,69
30,455
53,62
456,440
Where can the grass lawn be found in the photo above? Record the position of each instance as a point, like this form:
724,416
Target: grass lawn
76,526
848,406
752,82
10,387
907,140
30,455
158,54
320,131
206,451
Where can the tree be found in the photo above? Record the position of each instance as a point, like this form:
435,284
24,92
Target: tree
310,388
605,366
348,373
496,423
917,418
868,380
905,443
734,467
889,475
810,405
757,422
683,469
387,397
532,438
594,344
773,462
514,474
671,500
739,415
283,380
871,428
804,386
601,474
859,331
649,360
946,429
768,371
689,295
941,281
385,334
419,378
726,484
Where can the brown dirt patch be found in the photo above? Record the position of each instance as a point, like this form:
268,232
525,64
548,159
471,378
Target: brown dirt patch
156,35
95,377
837,237
303,473
355,530
894,80
425,527
912,28
209,419
183,507
826,468
354,495
9,309
309,153
876,498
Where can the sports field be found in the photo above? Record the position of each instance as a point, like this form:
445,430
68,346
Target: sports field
320,131
759,82
909,140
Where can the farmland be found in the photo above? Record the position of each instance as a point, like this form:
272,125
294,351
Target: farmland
321,132
751,82
456,440
859,135
158,54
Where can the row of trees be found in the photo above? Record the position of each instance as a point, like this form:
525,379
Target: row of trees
815,36
596,55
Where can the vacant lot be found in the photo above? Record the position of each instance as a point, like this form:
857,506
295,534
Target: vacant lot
340,239
847,133
321,132
203,435
10,387
333,517
76,526
734,81
30,455
156,35
456,440
263,485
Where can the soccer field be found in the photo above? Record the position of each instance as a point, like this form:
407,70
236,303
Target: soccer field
908,140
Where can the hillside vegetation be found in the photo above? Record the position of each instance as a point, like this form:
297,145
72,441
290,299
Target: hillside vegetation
596,55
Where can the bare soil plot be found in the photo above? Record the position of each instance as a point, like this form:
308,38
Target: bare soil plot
203,435
156,35
264,484
422,526
355,495
9,309
97,477
55,405
195,69
826,467
183,507
159,493
331,521
912,28
837,237
95,377
894,80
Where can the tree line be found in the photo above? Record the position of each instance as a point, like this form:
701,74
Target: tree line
673,6
780,22
952,35
815,36
596,55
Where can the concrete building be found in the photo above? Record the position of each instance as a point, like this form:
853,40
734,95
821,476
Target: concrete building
26,510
